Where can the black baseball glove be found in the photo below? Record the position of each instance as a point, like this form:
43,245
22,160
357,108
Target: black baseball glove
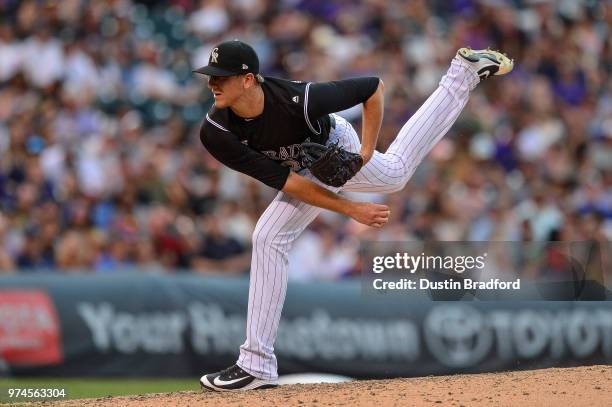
331,164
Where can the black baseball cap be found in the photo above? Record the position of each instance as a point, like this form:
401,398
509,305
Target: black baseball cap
231,58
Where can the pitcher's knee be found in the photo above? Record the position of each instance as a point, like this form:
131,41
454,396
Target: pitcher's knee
399,184
260,237
263,238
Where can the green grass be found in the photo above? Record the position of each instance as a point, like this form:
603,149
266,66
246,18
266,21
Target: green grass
92,388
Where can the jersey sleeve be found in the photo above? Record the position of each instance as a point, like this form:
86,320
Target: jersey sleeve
330,97
227,148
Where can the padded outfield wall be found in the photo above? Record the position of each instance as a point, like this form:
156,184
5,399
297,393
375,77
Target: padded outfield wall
182,325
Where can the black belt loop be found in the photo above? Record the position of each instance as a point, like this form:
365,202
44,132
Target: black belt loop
332,121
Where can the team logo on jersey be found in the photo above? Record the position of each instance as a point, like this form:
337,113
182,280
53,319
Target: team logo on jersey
296,99
289,155
214,55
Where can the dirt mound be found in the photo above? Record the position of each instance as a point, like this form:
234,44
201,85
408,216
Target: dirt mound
581,386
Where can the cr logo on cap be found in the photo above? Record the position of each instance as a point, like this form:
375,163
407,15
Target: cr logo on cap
214,55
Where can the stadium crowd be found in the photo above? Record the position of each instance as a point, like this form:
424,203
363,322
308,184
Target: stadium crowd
101,167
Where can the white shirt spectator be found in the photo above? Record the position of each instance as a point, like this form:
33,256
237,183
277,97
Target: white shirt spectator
43,61
109,85
98,168
154,82
52,162
10,59
210,19
309,260
81,72
534,140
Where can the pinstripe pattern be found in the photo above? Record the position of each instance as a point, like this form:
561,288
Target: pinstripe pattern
285,218
278,227
389,172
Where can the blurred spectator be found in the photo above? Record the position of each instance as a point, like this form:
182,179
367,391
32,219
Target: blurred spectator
320,254
101,167
7,263
74,252
218,251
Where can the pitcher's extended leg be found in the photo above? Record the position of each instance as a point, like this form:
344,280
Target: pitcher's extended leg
390,171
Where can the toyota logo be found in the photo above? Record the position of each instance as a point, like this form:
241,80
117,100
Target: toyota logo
457,335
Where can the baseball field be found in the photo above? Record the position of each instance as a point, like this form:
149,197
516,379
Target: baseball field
580,386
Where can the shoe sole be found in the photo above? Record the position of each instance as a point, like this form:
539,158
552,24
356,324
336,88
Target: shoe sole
256,384
505,64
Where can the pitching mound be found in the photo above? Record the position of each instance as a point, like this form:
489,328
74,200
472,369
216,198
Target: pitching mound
581,386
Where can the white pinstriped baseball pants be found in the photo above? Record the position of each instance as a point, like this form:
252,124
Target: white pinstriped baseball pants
286,217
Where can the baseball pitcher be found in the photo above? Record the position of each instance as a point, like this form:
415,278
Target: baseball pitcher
286,134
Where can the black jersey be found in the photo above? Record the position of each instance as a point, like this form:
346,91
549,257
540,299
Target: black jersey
267,147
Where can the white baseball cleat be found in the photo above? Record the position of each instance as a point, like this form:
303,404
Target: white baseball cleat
234,379
487,62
